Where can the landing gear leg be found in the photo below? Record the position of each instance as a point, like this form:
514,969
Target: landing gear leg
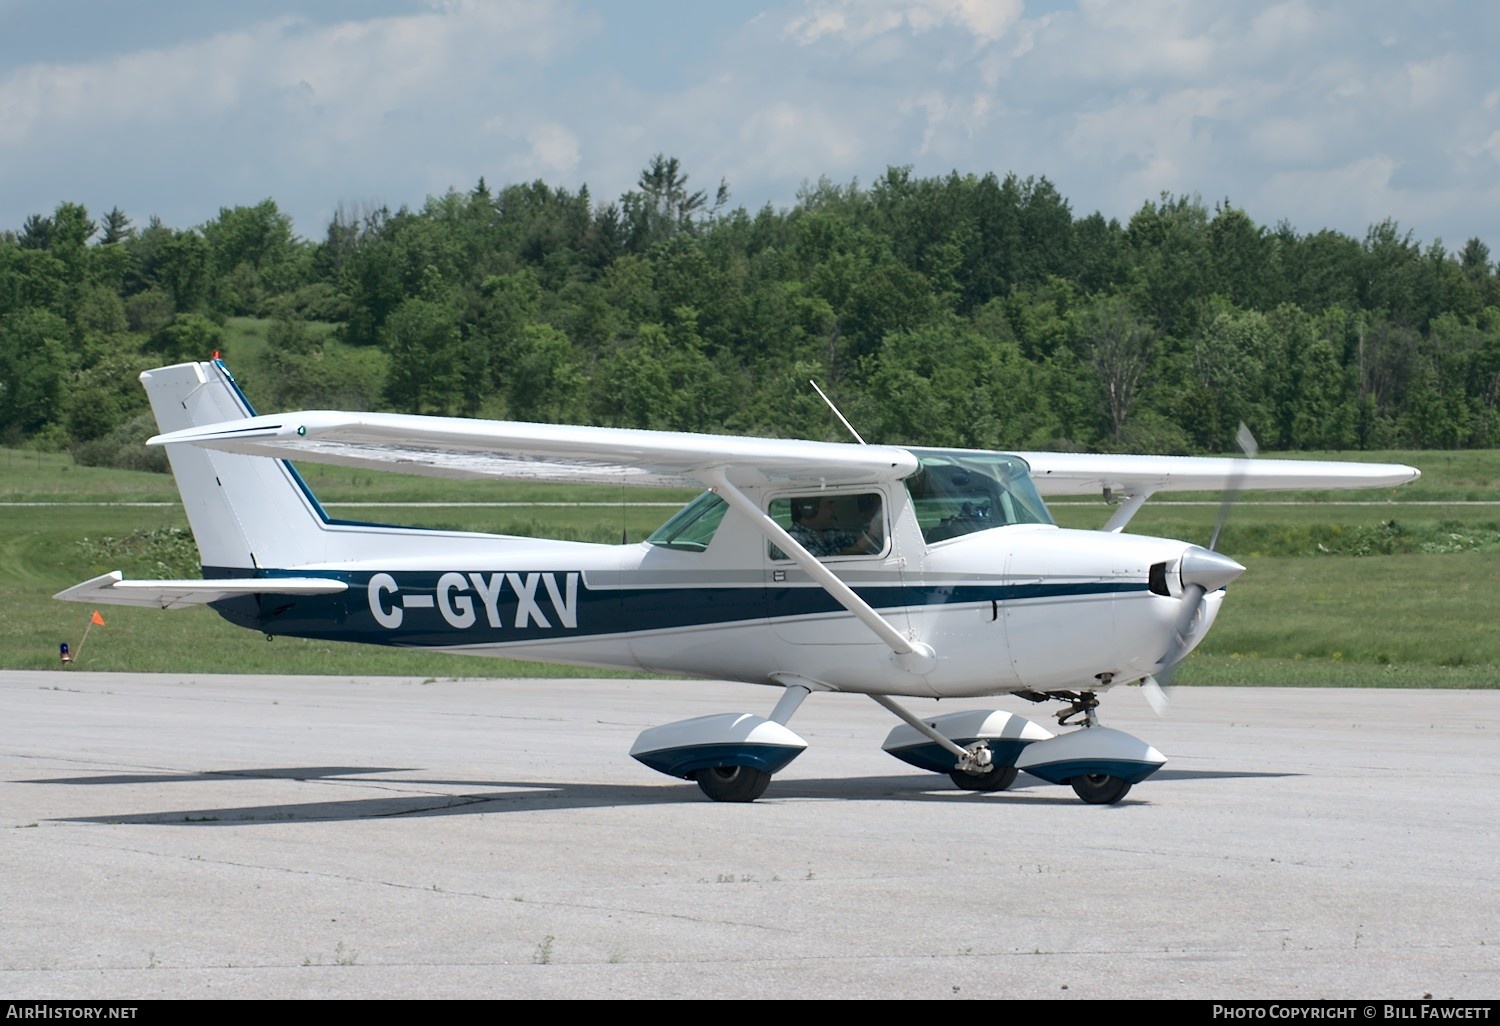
974,770
1094,788
789,703
1090,760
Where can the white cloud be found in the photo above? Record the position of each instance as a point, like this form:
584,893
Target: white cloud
1290,139
806,140
1145,130
554,150
1356,193
1283,25
1331,114
1108,41
986,20
1434,81
856,21
1489,147
272,98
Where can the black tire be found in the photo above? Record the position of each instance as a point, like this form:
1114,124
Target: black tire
733,783
996,778
1099,789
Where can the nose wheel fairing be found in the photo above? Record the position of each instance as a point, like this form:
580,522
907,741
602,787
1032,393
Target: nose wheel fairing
1091,752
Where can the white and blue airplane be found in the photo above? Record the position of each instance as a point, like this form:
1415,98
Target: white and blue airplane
806,566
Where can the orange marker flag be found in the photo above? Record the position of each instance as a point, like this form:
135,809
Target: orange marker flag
97,618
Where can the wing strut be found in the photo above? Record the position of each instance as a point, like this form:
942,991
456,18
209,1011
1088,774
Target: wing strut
913,656
1127,509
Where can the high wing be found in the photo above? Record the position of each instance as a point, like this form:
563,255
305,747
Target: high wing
112,589
457,448
1068,473
477,449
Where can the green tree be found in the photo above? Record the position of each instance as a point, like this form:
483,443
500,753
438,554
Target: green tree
503,306
106,394
251,253
1325,415
116,228
660,379
1391,272
946,385
182,270
543,378
422,337
148,312
1170,242
1322,271
187,337
100,312
32,279
1241,254
33,371
1120,347
304,369
664,206
1229,380
36,232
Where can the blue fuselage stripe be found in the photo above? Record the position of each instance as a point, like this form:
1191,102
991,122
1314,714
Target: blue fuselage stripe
431,609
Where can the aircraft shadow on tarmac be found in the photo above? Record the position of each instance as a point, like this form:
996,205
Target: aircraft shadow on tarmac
486,797
288,773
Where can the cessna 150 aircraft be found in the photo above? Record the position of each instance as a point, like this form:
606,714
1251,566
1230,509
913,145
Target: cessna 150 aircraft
879,570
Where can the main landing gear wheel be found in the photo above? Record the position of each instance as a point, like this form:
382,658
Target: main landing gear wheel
1099,789
996,778
733,783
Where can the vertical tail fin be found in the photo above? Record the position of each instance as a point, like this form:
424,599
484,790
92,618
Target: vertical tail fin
246,512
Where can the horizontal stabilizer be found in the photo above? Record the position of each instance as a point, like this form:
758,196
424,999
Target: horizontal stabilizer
112,589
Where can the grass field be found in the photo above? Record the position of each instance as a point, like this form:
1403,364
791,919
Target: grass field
1392,588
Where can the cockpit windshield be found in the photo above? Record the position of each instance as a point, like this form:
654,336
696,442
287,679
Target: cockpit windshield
693,526
954,493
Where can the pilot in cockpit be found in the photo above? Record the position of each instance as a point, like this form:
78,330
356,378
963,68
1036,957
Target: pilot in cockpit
824,527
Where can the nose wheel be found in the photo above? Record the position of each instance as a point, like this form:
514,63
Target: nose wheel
1099,788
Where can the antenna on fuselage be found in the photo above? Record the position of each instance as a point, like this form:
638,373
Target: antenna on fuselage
842,419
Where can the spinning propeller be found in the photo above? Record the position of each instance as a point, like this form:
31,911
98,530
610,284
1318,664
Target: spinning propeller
1201,571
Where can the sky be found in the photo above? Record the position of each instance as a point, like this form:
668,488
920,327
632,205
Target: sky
1325,114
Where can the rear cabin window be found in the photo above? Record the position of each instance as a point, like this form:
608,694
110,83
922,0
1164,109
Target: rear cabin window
833,525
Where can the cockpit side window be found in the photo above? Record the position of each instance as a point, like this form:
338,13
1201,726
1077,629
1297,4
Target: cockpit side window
833,525
958,493
692,527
